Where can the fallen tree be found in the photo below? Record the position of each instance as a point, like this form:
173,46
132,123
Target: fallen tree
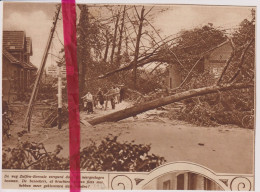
132,111
156,56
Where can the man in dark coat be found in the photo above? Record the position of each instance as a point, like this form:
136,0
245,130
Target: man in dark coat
100,96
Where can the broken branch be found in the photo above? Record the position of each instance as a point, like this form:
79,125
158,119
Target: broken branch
132,111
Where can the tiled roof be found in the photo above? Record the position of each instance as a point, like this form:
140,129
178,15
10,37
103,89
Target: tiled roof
10,57
13,60
32,66
13,40
218,46
29,45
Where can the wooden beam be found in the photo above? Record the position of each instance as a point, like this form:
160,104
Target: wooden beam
27,119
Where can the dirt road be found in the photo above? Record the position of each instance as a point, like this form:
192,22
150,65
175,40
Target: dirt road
224,149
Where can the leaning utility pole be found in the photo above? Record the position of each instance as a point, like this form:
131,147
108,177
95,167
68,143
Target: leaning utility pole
59,94
27,120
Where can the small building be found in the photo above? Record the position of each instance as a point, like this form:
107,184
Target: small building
213,62
17,69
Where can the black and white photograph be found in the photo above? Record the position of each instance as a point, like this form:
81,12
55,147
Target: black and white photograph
158,84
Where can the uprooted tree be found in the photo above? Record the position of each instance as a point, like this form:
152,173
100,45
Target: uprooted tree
233,90
132,111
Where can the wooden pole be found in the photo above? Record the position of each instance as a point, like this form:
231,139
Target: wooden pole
27,119
59,96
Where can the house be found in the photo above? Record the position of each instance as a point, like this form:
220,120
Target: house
17,69
182,180
213,62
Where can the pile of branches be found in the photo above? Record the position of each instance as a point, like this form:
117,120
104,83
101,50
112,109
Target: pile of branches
230,107
110,155
51,116
225,107
33,156
213,110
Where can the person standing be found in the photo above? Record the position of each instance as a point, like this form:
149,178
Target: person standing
111,96
100,96
122,93
88,102
117,91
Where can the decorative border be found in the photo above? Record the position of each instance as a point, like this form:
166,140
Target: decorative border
137,181
140,180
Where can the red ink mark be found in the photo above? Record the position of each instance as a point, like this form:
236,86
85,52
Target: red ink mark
70,45
70,70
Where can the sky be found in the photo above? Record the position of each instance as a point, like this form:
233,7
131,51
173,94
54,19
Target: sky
36,20
187,17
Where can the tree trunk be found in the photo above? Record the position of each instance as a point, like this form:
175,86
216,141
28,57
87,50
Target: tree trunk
83,48
140,108
107,46
138,38
114,38
118,59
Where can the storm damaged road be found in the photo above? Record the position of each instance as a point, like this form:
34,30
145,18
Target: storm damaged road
224,149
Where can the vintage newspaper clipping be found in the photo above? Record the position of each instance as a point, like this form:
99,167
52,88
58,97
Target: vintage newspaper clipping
167,97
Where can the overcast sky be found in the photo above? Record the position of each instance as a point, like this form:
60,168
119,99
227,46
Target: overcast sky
36,19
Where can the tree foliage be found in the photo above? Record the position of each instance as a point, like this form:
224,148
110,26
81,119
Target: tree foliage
110,155
231,107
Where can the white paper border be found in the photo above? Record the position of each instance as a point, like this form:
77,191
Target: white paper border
195,2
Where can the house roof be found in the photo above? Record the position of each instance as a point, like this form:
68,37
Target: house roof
31,66
29,46
10,57
13,60
14,40
17,40
25,65
218,46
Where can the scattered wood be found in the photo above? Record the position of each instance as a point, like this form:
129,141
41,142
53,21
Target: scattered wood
51,119
132,111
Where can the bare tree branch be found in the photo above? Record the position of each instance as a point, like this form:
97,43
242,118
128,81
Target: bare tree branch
175,56
241,61
149,11
227,62
137,13
188,75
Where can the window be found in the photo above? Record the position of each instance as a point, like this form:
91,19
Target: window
216,71
180,182
25,58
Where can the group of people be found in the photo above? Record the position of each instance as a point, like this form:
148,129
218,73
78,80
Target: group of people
115,95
